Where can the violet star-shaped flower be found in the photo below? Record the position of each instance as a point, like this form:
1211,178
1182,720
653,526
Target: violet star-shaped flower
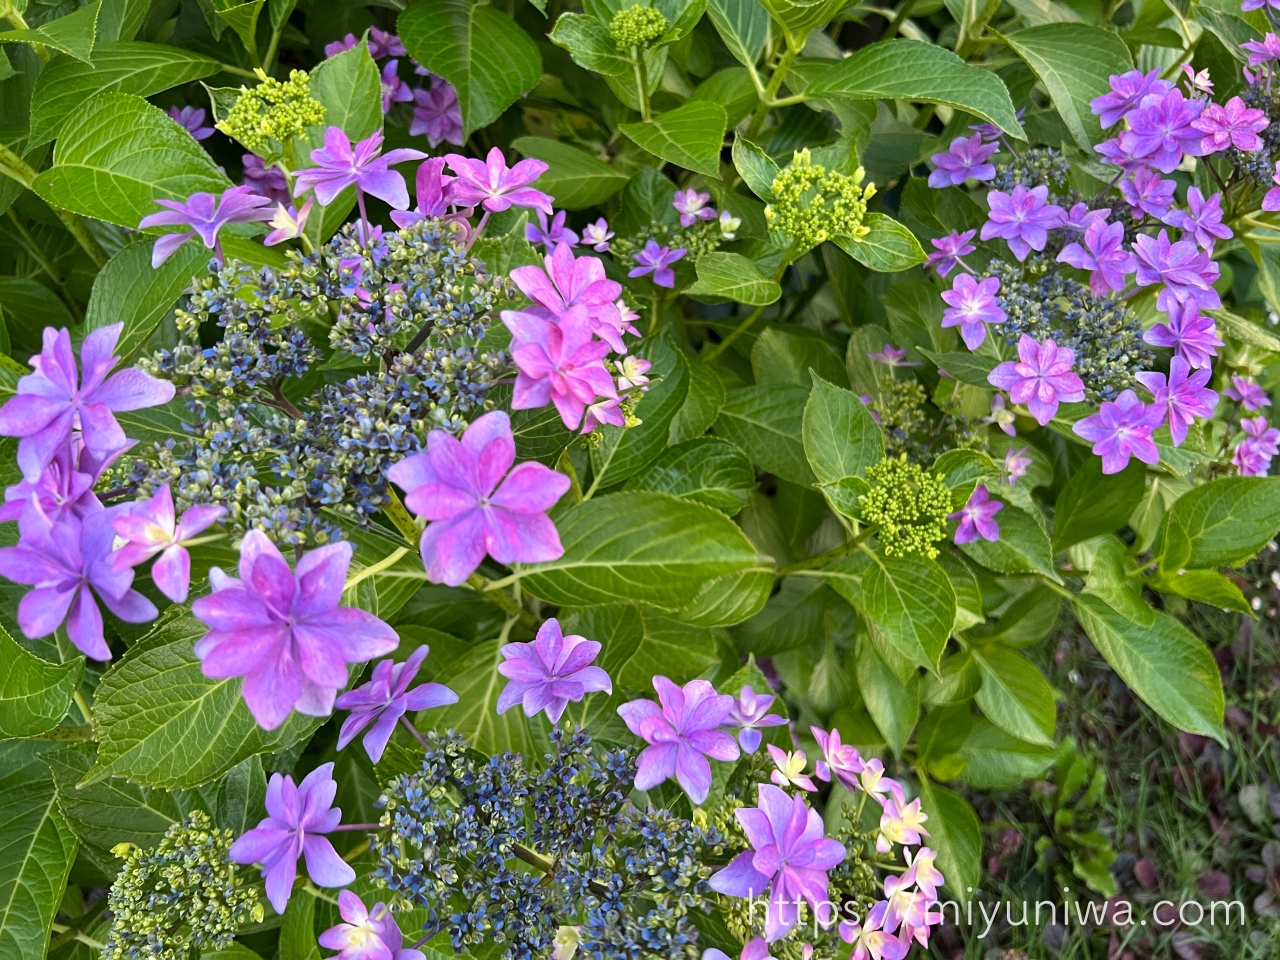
1182,394
434,193
1120,429
1161,131
341,46
1146,193
1265,437
750,714
977,517
1015,464
204,215
65,486
657,260
869,938
1202,219
1041,378
681,732
394,90
151,528
558,362
1230,125
385,699
839,760
1248,394
693,206
1001,416
1081,215
1185,272
973,305
384,43
1103,253
298,817
1127,89
476,503
70,569
1247,5
191,119
607,411
1022,218
366,934
790,857
1249,460
548,234
284,631
437,114
570,282
550,673
1271,200
56,399
948,250
597,235
1190,333
339,164
495,186
967,158
269,182
1266,50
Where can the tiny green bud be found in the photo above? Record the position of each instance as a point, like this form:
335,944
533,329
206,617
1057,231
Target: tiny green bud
273,112
637,27
908,504
812,204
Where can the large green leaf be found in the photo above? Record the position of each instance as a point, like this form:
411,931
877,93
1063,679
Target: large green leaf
1014,695
892,704
1023,546
731,276
622,452
1075,62
794,355
1219,523
129,290
888,248
161,722
689,136
840,437
1164,663
36,851
34,694
142,69
589,44
636,645
488,58
924,72
118,155
706,469
73,35
641,547
575,178
766,423
1093,503
743,25
955,833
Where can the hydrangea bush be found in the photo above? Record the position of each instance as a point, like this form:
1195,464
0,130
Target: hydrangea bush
527,481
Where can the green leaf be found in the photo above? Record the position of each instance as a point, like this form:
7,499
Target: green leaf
731,276
1014,695
161,722
242,18
701,406
1023,546
743,25
1242,329
73,34
756,167
142,69
1108,579
923,72
705,469
129,290
36,851
689,136
964,367
576,179
298,931
955,833
1093,503
1075,62
118,155
893,705
840,437
624,451
1165,664
994,760
30,306
34,694
589,44
488,58
1220,523
793,355
475,679
642,547
888,248
637,645
1206,586
766,423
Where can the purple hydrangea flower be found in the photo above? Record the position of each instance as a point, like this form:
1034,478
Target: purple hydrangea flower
1247,5
1185,271
550,234
366,934
1114,153
966,158
68,564
681,733
269,182
892,356
1015,464
341,46
284,632
839,760
1001,416
205,215
394,90
385,699
1190,333
1081,216
1127,89
56,399
1202,219
191,119
948,250
1265,437
1230,125
151,528
1161,130
339,165
288,223
1271,201
750,714
570,282
1041,378
1120,429
558,361
1183,395
1266,50
477,503
607,411
1102,253
437,114
1147,193
550,673
298,817
434,193
384,43
790,857
657,260
1023,218
977,517
597,235
973,305
1248,394
869,938
989,131
693,206
65,486
495,186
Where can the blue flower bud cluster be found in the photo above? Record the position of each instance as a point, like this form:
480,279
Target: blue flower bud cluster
1260,165
1032,168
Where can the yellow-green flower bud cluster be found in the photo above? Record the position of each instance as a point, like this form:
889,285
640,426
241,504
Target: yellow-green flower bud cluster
812,204
637,27
909,506
267,116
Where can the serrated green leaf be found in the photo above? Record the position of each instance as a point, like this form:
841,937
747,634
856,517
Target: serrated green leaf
475,679
1015,695
589,44
793,355
731,276
624,451
34,694
1220,523
1092,503
766,423
755,167
888,248
743,25
1023,546
576,179
1246,331
964,367
955,833
840,437
705,469
73,34
893,705
689,136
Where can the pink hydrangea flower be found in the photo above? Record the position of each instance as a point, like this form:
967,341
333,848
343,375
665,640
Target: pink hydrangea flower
1023,218
1120,429
789,767
1182,394
151,528
977,517
339,164
495,186
1190,333
839,760
558,362
569,282
1248,394
550,673
437,114
366,934
1041,378
1230,125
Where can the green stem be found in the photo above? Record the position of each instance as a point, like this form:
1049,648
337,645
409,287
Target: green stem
84,938
268,62
390,560
14,167
42,260
565,466
642,82
238,71
83,706
402,519
904,11
822,559
492,590
773,86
